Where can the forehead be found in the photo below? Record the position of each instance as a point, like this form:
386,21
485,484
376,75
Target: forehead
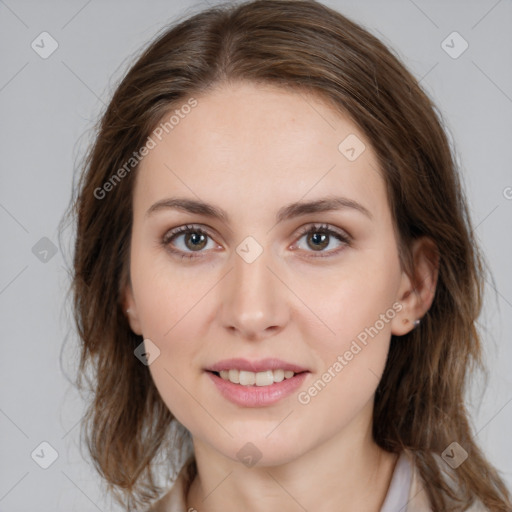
249,144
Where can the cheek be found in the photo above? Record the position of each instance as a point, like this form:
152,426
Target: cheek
173,323
351,355
171,316
351,362
357,297
165,292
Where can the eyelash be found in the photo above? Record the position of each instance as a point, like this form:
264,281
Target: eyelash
315,228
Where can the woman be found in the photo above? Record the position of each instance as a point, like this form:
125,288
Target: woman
274,256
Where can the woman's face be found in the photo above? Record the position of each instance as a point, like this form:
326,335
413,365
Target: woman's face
293,265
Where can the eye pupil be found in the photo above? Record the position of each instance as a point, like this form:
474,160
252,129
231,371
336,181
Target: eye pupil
319,238
196,239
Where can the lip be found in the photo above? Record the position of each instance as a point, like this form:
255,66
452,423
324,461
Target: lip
257,396
255,366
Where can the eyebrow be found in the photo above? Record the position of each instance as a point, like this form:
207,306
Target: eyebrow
285,213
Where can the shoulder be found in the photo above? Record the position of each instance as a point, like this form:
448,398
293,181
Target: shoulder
418,498
175,500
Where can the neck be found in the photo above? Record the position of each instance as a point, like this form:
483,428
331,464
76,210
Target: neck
335,475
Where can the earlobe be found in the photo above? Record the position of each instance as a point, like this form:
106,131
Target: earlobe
417,291
130,310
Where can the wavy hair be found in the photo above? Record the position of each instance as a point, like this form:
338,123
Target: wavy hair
303,46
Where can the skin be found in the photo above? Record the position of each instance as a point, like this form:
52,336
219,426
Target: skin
250,150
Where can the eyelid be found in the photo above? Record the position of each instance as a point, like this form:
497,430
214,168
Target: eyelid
175,232
196,228
321,226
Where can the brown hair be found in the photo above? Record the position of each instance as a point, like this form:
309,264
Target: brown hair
308,47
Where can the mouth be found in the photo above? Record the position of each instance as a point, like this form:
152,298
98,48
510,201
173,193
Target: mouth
256,383
262,372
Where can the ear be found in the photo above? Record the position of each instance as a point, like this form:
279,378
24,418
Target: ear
130,310
417,291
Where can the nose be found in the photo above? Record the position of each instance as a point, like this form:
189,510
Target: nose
254,303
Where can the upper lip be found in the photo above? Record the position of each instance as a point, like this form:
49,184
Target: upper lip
255,366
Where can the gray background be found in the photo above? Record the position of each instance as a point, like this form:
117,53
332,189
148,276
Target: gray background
48,108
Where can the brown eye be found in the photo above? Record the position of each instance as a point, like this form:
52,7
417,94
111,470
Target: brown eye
187,240
195,241
318,238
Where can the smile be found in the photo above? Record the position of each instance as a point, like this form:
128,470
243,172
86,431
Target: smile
247,378
256,383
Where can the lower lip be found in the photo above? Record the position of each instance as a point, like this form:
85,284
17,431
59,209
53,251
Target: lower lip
257,396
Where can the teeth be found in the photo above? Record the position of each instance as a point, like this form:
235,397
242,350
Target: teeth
265,378
247,378
278,375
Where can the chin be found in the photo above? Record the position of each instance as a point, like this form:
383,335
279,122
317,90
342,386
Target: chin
256,448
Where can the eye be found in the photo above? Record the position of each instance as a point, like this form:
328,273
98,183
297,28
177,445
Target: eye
318,237
188,240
